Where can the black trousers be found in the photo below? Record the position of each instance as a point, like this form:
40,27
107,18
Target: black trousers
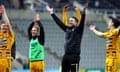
70,63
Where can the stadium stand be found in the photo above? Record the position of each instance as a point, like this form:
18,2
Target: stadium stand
115,3
98,4
6,3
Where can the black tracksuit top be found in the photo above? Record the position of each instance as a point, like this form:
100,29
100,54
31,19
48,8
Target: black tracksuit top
73,35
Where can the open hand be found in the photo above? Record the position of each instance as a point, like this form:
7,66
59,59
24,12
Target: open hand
66,7
85,6
2,9
92,27
50,10
37,17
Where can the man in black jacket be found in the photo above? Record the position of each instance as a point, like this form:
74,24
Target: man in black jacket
74,32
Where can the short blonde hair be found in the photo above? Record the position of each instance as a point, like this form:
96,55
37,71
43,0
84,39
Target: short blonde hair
36,26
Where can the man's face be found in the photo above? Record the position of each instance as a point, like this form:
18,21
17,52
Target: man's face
34,31
4,27
72,22
110,24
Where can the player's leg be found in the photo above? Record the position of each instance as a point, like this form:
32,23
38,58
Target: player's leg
65,64
115,65
32,69
75,67
9,65
40,66
109,64
74,63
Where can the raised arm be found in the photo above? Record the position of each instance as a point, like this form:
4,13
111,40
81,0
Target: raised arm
5,18
96,32
77,10
64,14
56,19
41,36
81,25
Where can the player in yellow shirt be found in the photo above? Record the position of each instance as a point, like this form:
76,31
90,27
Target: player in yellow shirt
6,41
112,46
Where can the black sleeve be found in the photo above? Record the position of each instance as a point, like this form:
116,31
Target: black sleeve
41,37
29,30
13,50
59,22
80,28
0,16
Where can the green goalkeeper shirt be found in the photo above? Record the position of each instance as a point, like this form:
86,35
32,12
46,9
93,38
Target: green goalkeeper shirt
36,50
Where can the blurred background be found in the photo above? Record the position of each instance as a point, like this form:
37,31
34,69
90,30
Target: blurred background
22,12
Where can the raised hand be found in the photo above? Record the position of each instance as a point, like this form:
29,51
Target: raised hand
92,27
36,18
75,5
85,6
50,10
2,9
66,7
